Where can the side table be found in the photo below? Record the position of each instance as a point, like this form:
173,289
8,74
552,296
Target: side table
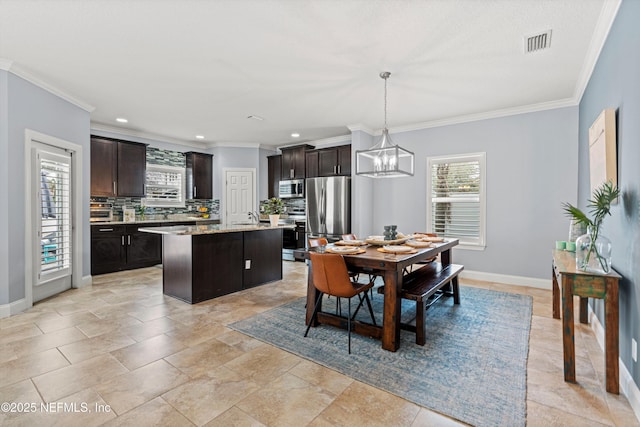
586,285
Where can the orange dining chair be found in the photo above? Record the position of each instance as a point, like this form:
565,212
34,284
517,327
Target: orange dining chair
314,242
330,277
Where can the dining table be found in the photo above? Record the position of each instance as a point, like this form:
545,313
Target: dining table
391,266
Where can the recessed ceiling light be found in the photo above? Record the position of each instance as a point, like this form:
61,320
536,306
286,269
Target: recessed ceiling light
199,136
122,120
295,135
255,117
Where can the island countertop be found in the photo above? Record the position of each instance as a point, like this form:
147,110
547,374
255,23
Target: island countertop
194,230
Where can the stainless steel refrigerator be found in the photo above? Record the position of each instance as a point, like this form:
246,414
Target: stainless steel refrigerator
328,207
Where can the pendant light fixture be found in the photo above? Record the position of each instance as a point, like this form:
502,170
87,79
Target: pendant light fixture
385,159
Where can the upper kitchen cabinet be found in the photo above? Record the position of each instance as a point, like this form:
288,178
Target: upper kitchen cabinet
118,168
275,167
199,175
293,161
333,161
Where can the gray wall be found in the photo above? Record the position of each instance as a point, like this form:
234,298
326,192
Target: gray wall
232,157
615,84
33,108
4,189
531,169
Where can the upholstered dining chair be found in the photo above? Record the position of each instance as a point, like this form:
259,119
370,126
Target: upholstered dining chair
315,242
330,277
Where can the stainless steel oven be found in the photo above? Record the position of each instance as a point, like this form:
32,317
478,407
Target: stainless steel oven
293,188
292,239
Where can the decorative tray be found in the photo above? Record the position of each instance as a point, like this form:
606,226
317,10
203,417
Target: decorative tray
427,238
391,250
345,250
418,244
379,240
351,243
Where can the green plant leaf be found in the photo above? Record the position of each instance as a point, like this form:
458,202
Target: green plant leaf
575,213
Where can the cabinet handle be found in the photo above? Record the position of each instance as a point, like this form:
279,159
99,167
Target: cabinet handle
195,191
115,188
291,173
335,169
122,240
339,171
296,235
129,240
105,229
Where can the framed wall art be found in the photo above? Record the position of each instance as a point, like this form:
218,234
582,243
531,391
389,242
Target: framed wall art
602,149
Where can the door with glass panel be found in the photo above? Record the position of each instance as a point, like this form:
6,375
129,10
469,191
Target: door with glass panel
52,213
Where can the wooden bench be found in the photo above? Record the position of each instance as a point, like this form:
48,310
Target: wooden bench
425,286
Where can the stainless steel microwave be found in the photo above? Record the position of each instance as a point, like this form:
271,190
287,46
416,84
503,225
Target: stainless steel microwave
291,189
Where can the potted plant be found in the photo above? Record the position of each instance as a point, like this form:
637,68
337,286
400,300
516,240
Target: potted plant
593,251
274,207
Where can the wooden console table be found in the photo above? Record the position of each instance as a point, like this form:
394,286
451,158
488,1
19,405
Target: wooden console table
586,285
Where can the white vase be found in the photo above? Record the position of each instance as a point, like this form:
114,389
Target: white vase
274,219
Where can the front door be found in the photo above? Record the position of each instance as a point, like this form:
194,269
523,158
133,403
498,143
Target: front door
52,193
240,195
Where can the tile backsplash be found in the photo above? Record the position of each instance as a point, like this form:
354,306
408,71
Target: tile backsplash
158,156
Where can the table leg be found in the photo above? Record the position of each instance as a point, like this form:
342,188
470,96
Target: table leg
568,344
611,336
392,310
584,313
556,293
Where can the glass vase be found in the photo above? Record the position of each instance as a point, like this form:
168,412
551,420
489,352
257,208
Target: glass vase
593,252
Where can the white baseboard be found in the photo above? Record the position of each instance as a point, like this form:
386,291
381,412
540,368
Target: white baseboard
627,386
531,282
12,308
86,281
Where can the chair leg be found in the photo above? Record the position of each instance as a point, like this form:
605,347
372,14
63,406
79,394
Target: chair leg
315,313
349,325
366,297
359,305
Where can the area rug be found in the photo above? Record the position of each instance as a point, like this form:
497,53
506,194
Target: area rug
473,366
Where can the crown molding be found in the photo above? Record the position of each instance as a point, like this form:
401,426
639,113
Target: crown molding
598,39
11,67
101,127
326,142
532,108
236,144
360,127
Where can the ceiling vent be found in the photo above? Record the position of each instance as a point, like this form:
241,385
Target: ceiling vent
537,42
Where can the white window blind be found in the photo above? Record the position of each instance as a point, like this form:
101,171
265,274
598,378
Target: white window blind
55,219
165,186
456,198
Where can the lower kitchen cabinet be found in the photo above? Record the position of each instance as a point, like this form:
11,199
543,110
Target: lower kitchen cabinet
123,247
262,263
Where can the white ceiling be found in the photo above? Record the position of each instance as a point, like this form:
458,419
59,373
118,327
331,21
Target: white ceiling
179,68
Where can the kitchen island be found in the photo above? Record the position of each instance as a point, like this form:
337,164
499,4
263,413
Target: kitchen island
201,262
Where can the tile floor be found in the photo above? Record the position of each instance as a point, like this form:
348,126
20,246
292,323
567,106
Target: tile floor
121,353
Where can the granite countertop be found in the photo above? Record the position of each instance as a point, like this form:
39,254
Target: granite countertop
159,219
211,228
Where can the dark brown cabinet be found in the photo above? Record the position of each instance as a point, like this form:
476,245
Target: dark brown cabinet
293,162
123,247
262,263
333,161
118,168
274,171
199,175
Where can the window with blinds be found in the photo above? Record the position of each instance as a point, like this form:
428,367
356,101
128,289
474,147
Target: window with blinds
456,198
165,186
55,219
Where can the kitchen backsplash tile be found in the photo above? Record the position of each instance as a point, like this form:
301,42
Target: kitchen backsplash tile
158,156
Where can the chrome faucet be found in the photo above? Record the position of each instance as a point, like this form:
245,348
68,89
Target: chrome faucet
253,216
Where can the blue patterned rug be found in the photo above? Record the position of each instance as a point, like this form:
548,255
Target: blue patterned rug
473,367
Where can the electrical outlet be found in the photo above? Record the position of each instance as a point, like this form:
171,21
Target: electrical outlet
247,264
634,350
